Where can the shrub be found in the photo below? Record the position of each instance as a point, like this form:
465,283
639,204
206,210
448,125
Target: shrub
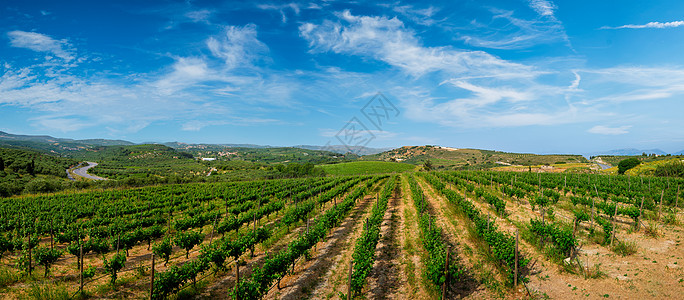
627,164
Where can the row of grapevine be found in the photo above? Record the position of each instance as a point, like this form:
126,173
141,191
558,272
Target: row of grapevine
501,244
364,250
431,235
259,282
217,253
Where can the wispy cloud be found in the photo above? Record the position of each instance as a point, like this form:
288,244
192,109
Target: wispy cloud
41,43
423,16
605,130
388,40
508,32
283,7
659,25
237,46
197,16
543,7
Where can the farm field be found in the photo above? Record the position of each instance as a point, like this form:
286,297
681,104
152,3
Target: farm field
366,167
413,235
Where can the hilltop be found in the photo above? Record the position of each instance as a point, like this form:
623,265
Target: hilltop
456,158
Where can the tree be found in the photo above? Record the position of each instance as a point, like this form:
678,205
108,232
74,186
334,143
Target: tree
627,164
427,165
32,168
2,164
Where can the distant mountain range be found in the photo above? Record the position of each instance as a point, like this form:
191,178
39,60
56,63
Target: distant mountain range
630,151
64,145
4,136
358,150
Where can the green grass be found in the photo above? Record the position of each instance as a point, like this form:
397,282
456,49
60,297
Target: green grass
366,167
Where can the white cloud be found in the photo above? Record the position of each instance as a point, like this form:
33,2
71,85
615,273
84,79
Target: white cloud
281,8
389,41
659,25
40,43
543,7
199,16
237,46
186,72
599,129
575,83
508,32
63,124
423,16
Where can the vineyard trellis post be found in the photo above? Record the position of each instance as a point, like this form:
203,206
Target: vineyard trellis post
349,290
80,268
446,273
677,201
541,239
51,236
660,205
593,201
237,276
152,278
211,237
641,208
28,244
515,279
612,237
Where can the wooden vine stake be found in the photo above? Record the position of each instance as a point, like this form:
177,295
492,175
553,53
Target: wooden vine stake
152,278
612,237
593,200
515,279
446,274
641,208
660,205
677,201
349,291
237,276
80,268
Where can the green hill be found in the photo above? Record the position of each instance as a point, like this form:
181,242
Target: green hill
452,158
366,167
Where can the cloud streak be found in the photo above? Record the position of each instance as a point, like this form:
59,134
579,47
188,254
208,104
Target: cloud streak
658,25
388,40
40,43
605,130
543,7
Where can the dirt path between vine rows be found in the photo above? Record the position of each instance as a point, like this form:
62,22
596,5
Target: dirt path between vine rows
387,280
412,268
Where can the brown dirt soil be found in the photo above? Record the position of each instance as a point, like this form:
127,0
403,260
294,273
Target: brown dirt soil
411,247
386,280
654,272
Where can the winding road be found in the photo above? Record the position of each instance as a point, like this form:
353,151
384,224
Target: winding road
83,171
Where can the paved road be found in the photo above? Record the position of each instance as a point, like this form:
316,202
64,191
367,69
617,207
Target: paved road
83,171
603,167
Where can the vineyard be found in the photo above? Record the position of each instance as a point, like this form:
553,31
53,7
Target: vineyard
414,235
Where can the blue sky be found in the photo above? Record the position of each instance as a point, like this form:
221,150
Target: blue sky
527,76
